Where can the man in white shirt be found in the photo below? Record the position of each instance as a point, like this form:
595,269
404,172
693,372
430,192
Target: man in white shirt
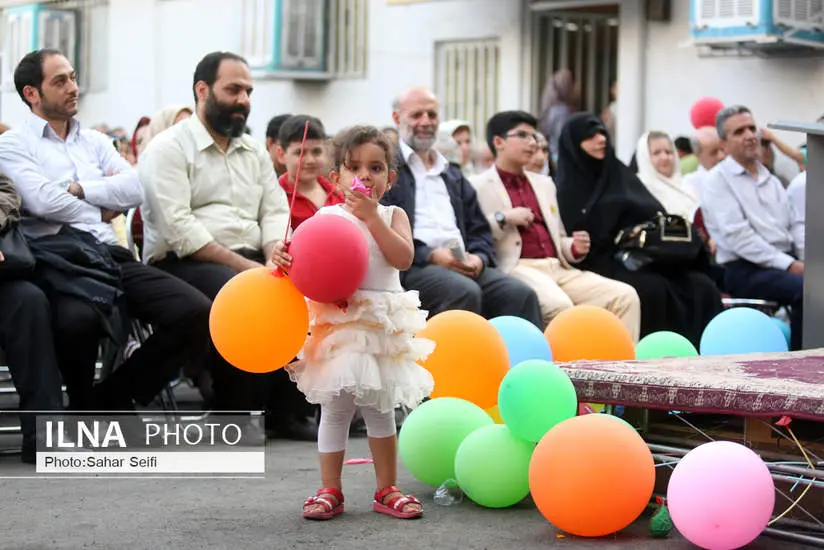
454,264
73,183
214,208
759,236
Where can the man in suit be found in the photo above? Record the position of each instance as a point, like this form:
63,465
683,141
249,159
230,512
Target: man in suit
530,239
454,265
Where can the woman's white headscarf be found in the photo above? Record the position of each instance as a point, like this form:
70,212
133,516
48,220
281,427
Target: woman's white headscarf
162,120
669,190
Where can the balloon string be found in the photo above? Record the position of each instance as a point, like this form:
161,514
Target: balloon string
807,488
297,179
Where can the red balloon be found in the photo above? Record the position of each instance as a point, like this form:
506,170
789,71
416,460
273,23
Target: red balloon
329,258
704,110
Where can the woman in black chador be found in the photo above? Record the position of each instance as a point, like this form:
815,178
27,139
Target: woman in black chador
599,194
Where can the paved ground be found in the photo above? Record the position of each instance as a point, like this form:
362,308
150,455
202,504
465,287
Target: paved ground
250,514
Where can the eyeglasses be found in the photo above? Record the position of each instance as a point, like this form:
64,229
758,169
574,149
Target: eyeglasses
523,134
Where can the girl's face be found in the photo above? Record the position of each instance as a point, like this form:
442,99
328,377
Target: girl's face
662,156
368,163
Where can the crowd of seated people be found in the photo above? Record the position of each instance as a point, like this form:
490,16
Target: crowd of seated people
511,223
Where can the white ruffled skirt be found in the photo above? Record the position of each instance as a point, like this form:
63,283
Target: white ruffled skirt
368,350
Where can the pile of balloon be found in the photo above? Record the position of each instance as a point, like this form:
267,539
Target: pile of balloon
504,422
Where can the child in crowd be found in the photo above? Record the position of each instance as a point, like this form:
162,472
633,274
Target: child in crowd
365,354
313,190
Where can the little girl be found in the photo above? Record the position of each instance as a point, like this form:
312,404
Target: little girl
364,353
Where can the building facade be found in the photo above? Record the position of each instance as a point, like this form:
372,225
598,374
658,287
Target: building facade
345,60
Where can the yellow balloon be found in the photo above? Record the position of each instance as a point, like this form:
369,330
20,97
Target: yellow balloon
495,414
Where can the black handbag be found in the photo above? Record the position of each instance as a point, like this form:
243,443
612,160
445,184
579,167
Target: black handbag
18,261
666,241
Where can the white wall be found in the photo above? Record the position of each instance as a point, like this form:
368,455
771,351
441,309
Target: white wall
773,88
154,47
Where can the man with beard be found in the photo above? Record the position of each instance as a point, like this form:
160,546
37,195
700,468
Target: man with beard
73,182
213,209
454,264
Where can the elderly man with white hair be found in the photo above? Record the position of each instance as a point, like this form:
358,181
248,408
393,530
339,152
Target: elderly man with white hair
454,264
707,148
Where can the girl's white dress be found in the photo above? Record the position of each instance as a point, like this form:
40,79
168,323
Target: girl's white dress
367,349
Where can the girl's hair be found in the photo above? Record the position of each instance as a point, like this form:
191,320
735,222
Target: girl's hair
355,136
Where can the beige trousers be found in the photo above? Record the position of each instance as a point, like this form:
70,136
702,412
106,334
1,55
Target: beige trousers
559,288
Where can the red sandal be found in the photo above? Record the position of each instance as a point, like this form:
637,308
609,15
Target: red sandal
322,497
395,506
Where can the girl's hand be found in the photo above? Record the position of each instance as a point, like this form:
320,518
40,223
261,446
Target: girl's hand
280,255
364,207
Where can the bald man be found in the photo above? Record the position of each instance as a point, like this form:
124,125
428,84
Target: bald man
707,148
454,265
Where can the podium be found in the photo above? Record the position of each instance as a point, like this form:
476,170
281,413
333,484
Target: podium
813,332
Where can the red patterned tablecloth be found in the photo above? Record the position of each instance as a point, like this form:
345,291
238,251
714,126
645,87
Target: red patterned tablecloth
769,384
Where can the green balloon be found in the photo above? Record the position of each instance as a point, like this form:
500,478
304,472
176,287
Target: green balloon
664,344
431,434
535,396
492,467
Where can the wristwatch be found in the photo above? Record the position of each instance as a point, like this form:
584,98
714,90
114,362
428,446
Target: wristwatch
501,219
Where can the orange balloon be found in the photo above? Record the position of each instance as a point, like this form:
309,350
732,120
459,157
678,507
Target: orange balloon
259,321
592,475
470,357
589,333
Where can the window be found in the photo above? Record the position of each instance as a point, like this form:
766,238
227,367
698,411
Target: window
65,25
312,38
258,31
466,80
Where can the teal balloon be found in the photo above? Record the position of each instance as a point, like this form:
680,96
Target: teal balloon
431,434
535,396
524,341
785,328
492,467
664,344
742,330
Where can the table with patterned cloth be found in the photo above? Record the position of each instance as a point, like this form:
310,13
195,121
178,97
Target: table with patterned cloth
768,384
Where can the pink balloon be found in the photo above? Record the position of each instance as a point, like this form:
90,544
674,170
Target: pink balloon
329,258
703,112
721,496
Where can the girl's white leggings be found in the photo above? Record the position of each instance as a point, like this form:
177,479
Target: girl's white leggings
336,417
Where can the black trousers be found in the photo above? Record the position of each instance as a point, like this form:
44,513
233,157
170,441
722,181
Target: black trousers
179,316
27,340
235,389
492,294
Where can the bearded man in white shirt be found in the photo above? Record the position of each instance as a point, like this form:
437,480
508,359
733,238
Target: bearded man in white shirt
214,208
73,183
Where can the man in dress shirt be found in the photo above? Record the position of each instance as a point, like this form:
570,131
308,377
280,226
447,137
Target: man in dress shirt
759,237
444,213
70,176
530,239
213,209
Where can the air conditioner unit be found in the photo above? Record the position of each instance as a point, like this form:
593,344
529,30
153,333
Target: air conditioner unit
766,25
